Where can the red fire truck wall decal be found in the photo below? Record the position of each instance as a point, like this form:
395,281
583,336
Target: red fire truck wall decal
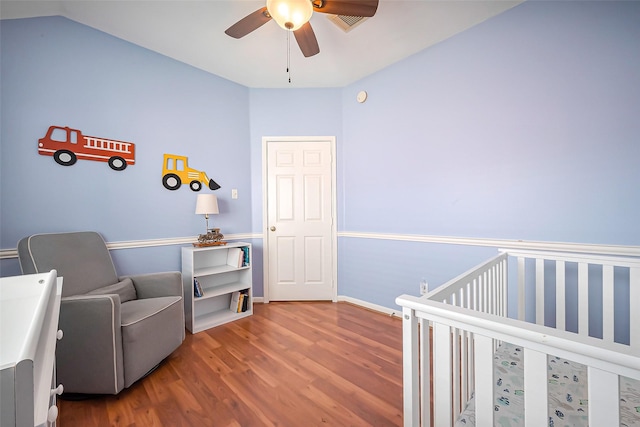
67,145
176,171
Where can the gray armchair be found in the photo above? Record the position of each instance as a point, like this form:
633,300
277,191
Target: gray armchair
116,329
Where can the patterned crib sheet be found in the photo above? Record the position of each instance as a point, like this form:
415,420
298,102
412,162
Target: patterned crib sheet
568,404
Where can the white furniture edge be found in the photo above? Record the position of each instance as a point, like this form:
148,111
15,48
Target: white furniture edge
30,344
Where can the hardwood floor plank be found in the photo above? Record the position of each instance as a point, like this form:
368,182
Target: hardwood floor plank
359,399
341,414
298,364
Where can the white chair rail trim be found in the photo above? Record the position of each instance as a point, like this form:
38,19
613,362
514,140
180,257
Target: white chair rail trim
504,244
621,250
134,244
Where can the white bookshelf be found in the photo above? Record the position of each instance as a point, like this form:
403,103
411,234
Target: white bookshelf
219,278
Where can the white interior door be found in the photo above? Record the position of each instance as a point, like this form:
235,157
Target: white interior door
299,225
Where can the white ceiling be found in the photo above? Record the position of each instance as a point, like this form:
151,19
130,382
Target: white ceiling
193,32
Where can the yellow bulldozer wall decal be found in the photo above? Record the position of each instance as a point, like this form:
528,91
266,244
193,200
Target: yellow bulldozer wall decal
176,171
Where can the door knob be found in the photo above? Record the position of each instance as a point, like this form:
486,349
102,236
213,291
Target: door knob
273,228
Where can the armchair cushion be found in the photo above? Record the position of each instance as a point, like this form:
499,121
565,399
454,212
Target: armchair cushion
151,329
124,289
154,285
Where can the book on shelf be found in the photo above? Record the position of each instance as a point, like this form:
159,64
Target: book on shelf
245,257
235,257
197,289
235,298
239,301
245,300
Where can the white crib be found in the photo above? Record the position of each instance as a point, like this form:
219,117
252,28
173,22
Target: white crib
451,335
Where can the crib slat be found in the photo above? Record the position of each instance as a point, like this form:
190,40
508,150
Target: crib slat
442,375
472,361
494,290
583,299
464,366
607,303
503,288
483,286
634,301
425,369
521,289
561,316
604,400
487,278
474,295
498,285
463,389
535,384
456,372
540,291
484,380
410,370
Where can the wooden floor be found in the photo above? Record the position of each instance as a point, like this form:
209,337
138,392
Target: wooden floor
296,364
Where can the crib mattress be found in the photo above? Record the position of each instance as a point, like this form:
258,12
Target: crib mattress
568,404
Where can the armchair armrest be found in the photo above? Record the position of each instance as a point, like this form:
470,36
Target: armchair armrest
89,357
157,284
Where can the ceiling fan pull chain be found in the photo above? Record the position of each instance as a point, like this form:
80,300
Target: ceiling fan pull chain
289,55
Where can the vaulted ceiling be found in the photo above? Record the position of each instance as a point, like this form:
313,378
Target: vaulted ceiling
193,32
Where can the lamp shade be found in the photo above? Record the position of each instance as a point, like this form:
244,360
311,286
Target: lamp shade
290,14
206,204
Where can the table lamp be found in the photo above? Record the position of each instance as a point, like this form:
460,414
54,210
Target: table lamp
207,204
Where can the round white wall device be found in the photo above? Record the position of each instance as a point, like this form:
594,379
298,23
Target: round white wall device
362,96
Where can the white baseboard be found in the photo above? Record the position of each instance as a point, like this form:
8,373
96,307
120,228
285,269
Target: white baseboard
355,301
370,306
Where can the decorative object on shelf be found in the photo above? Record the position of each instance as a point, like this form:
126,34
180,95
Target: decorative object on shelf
67,145
176,171
211,238
207,204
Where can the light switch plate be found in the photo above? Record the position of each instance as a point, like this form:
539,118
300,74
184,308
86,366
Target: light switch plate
234,193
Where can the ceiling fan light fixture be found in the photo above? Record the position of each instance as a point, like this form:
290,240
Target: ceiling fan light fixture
290,14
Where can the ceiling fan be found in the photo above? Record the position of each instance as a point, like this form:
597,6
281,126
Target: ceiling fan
294,15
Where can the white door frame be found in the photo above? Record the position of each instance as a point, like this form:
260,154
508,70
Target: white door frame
265,232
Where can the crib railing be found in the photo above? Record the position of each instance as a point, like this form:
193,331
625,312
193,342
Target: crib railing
598,270
451,333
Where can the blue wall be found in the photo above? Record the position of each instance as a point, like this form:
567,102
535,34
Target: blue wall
58,72
522,127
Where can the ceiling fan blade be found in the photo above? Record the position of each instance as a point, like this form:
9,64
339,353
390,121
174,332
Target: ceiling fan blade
307,41
365,8
249,23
